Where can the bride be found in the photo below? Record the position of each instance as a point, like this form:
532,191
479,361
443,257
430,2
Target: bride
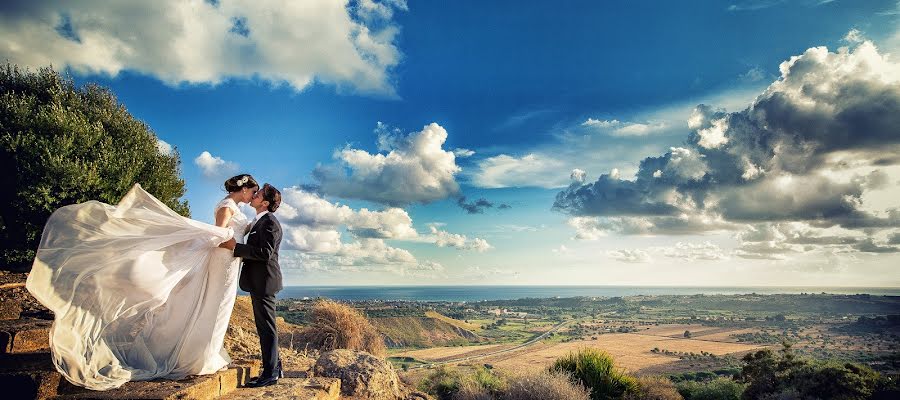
138,291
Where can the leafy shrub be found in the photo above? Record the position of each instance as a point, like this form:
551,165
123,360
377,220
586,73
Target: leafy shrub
442,383
61,145
596,370
653,388
544,385
781,376
716,389
488,380
333,325
446,383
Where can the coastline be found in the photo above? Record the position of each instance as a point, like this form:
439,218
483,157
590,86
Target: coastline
472,293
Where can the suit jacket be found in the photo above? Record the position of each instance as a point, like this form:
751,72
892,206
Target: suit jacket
261,273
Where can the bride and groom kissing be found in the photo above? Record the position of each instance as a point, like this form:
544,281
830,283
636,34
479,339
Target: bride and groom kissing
139,292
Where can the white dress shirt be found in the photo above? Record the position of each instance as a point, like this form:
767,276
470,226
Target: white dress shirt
258,216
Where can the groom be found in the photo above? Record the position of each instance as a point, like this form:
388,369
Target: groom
261,277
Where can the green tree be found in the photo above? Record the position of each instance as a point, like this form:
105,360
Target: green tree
61,145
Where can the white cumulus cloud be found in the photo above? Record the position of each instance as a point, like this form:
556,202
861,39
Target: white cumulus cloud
446,239
530,170
215,167
163,147
630,256
416,169
617,128
816,147
351,46
463,153
695,251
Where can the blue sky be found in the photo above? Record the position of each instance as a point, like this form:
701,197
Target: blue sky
537,100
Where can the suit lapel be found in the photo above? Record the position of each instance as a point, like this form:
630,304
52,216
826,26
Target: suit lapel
256,226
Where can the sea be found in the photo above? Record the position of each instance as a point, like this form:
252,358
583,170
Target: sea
481,293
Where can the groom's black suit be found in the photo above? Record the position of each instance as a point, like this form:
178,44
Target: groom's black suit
261,277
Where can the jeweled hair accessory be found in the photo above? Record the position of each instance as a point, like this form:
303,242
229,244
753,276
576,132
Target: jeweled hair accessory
243,181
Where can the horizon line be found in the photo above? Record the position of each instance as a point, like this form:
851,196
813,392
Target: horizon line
601,285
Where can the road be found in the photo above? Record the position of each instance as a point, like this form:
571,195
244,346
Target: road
493,353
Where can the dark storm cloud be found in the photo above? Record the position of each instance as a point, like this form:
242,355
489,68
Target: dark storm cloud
774,161
478,206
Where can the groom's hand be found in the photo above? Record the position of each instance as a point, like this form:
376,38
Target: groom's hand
228,244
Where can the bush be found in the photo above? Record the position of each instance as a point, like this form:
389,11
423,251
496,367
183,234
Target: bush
487,380
470,390
442,383
61,145
834,380
483,384
336,326
653,388
545,385
716,389
596,370
772,376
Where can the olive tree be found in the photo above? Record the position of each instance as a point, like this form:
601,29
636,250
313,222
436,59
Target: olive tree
61,144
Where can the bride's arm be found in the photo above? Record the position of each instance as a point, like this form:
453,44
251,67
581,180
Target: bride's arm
223,216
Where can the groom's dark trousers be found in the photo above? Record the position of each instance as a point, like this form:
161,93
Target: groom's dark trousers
261,277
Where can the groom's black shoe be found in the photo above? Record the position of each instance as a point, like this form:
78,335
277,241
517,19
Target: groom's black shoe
268,381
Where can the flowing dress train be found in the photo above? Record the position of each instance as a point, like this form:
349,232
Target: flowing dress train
138,291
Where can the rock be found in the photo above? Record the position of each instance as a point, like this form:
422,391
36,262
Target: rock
362,375
202,387
415,395
10,310
16,302
317,388
29,384
24,335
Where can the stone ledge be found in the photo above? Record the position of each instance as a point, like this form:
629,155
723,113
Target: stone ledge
191,388
317,388
37,361
9,279
29,384
325,388
24,336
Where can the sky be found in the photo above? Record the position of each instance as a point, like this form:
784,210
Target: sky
708,143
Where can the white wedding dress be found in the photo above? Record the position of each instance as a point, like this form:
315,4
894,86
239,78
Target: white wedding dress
138,291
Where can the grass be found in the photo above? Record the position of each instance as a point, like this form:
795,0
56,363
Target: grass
333,325
422,332
596,370
486,384
455,322
545,385
400,362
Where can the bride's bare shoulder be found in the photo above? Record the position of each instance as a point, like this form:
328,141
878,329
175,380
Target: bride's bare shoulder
226,203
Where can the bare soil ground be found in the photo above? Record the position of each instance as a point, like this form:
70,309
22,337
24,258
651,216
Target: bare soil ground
631,351
446,353
677,330
724,334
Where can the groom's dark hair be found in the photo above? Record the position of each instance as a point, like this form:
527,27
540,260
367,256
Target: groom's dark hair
272,195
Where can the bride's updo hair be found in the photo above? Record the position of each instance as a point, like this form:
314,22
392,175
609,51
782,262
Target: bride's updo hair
236,183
